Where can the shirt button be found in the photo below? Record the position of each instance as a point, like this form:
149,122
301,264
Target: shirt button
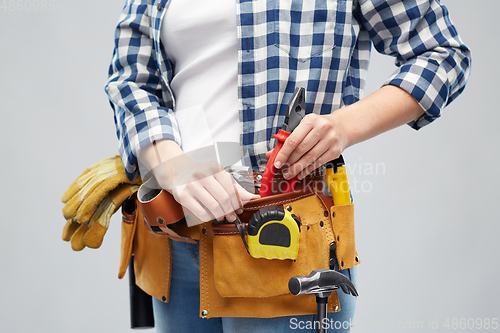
158,7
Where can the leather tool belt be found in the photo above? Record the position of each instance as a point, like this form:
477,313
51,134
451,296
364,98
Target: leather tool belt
232,283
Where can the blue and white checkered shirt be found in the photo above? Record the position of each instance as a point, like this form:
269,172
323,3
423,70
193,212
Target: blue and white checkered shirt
322,45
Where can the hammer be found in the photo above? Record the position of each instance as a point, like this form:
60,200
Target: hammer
321,282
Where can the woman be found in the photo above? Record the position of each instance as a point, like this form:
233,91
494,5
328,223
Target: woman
186,75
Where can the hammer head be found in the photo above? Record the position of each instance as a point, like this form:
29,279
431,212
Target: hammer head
321,281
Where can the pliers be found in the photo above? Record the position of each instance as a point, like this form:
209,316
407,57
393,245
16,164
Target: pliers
295,111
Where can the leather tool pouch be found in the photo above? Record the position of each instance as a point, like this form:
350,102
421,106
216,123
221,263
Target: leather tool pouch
231,278
233,263
234,284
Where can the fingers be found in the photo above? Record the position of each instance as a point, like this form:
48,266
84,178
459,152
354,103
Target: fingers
301,174
244,195
226,181
211,197
269,153
191,204
313,143
291,144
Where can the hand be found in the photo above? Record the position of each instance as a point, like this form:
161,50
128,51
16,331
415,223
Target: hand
203,188
317,140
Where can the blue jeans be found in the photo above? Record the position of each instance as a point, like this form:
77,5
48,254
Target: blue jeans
181,313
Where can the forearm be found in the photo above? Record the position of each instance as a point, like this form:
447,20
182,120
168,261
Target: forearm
387,108
159,152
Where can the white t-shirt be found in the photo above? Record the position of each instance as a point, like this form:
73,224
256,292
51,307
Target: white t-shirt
200,39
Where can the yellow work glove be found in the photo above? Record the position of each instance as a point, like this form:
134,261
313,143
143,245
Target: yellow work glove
91,233
87,192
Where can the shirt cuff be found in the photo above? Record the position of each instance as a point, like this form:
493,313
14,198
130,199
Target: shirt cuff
426,81
142,130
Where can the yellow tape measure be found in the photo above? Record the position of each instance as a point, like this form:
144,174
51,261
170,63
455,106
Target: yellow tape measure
273,233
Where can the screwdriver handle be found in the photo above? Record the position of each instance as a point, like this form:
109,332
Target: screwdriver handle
336,178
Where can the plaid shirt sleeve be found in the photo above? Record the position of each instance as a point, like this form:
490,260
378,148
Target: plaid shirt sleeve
433,63
143,110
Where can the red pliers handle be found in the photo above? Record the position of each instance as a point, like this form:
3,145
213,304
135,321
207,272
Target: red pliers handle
270,171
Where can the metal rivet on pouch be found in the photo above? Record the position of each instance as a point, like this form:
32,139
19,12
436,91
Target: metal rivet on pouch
160,220
289,208
356,258
325,213
204,313
342,263
333,214
321,223
258,178
204,231
308,227
336,308
164,298
338,238
158,7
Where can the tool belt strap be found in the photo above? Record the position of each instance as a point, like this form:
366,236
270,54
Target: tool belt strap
163,215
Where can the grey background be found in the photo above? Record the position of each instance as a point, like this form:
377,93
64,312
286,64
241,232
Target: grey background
426,219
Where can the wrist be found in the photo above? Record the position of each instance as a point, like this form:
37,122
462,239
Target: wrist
155,158
158,153
341,124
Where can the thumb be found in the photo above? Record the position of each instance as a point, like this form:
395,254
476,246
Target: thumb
244,195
